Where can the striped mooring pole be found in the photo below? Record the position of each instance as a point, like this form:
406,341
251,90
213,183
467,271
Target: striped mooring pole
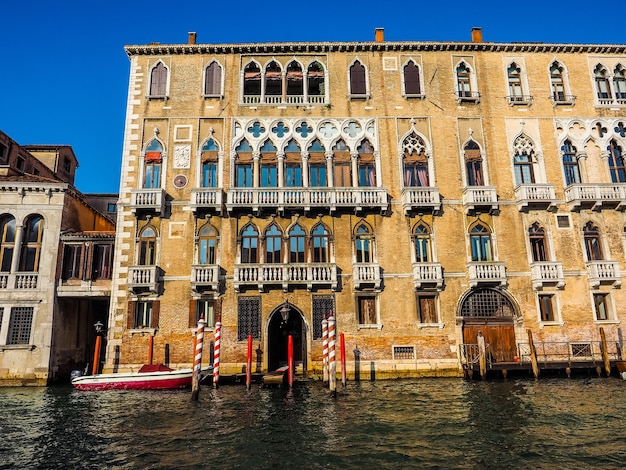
325,349
197,360
216,355
332,364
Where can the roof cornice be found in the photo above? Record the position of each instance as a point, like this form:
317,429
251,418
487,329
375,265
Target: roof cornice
324,47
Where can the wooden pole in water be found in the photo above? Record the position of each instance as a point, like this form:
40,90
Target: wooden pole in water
197,360
325,348
605,353
482,356
533,354
332,365
290,361
150,349
342,348
249,364
96,355
216,354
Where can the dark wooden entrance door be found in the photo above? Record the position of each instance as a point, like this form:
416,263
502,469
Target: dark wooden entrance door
499,334
278,339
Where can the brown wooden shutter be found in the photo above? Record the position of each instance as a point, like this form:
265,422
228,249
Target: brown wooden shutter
411,80
130,319
155,314
192,313
357,79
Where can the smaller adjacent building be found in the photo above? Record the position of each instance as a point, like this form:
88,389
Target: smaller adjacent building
55,265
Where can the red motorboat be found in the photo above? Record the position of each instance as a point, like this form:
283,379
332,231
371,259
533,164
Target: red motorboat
149,377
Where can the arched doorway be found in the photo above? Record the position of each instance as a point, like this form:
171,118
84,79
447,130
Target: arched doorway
286,320
491,313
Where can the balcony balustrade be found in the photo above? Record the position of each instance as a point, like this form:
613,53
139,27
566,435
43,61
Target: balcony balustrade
205,278
596,196
311,275
535,196
604,272
366,275
207,200
427,275
144,279
545,273
147,201
480,199
19,281
487,273
306,199
416,199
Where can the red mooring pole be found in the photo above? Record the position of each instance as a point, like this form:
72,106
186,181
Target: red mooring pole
96,355
216,355
249,364
332,364
150,349
342,346
325,349
197,360
290,360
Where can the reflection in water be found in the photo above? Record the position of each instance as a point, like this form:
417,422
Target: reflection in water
428,423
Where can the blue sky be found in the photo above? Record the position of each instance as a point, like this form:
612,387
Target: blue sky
65,73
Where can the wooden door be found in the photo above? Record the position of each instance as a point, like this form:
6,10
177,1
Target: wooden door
499,334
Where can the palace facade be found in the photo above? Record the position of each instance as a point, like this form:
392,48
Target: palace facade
422,192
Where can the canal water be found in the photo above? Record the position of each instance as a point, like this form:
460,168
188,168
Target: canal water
551,423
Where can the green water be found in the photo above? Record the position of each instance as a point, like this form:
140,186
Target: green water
427,423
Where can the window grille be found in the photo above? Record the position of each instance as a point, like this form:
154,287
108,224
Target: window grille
581,349
563,221
403,352
20,325
322,305
249,318
487,303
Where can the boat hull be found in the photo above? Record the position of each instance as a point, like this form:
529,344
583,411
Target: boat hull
135,381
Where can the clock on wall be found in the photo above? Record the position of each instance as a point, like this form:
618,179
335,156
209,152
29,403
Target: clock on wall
180,181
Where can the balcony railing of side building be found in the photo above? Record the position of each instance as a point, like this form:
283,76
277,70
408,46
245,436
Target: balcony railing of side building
487,273
307,199
146,200
546,273
205,278
604,272
19,281
309,275
596,196
535,196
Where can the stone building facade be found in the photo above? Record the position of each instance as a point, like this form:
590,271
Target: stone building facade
52,289
421,191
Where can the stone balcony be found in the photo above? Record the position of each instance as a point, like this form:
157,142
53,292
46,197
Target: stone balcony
19,281
306,199
309,275
207,200
547,273
480,199
150,201
205,278
427,275
487,273
421,199
366,275
596,196
535,196
604,272
142,279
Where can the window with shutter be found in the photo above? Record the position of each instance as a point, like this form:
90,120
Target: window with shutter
213,80
358,85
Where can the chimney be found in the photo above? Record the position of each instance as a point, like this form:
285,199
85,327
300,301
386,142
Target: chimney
477,35
192,38
379,34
